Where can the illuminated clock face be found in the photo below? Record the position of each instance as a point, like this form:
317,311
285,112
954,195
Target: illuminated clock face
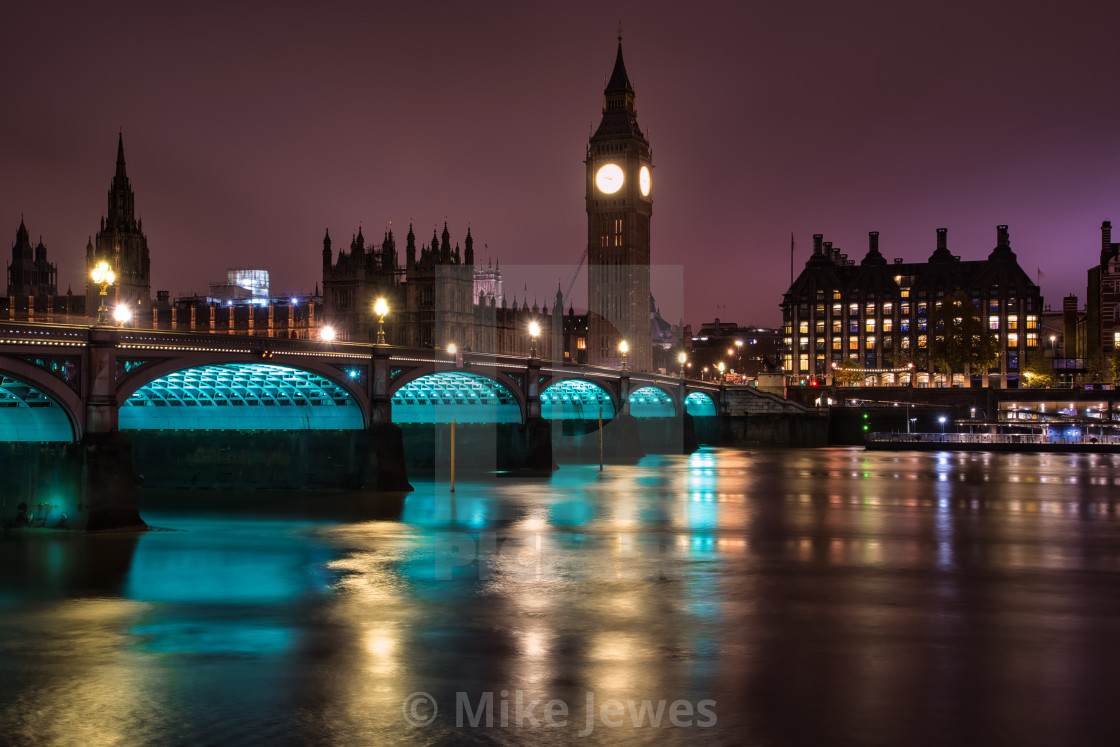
609,179
643,181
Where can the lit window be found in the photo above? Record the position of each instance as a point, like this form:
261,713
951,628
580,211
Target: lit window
904,308
803,328
853,309
869,343
581,343
993,322
921,341
888,308
1032,321
837,326
1012,339
870,309
837,309
836,295
837,343
1032,339
905,343
853,343
888,324
820,328
1012,321
869,325
905,293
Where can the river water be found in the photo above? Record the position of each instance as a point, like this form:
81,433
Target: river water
769,597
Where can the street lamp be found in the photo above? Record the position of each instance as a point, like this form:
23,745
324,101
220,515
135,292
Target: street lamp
381,309
623,348
682,358
104,276
721,370
326,334
534,330
122,314
942,421
451,348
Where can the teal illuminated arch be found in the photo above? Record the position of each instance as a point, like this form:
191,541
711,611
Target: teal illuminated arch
453,395
29,414
576,399
241,396
651,402
699,404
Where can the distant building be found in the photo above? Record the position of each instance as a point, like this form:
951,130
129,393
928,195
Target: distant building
1102,300
872,317
121,242
30,275
747,351
242,284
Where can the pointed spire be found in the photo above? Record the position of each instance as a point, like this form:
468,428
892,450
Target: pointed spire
120,156
619,82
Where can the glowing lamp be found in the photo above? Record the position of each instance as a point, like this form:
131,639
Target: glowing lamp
326,334
381,309
122,314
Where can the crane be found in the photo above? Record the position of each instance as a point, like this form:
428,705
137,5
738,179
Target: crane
572,282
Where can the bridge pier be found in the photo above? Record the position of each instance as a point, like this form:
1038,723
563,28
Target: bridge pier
385,467
108,483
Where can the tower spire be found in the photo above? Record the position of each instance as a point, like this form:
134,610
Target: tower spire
120,157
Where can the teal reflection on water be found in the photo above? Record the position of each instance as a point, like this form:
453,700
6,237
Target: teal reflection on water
219,561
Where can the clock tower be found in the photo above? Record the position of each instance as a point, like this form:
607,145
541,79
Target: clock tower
619,206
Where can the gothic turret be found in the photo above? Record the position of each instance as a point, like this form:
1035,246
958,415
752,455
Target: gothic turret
469,255
410,249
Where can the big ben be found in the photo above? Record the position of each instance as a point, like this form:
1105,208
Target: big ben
619,206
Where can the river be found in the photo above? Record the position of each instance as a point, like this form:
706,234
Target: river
765,597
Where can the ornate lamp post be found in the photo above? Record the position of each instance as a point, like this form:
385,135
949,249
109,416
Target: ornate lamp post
122,314
381,309
104,276
534,331
721,367
451,348
682,358
623,347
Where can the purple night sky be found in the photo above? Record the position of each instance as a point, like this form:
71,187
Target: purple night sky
247,131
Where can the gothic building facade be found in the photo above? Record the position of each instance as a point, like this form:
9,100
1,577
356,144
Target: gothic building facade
121,242
873,318
30,275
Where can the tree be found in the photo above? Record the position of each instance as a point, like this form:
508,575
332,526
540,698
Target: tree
1038,373
959,340
1099,369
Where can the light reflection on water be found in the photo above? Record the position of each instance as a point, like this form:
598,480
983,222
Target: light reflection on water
818,596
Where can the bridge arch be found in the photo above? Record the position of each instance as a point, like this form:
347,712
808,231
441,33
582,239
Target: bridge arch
443,396
576,399
700,404
652,402
238,396
35,412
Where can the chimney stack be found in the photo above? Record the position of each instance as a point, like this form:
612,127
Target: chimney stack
942,240
1003,241
1106,236
817,246
873,242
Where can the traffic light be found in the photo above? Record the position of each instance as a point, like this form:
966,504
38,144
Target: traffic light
865,423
